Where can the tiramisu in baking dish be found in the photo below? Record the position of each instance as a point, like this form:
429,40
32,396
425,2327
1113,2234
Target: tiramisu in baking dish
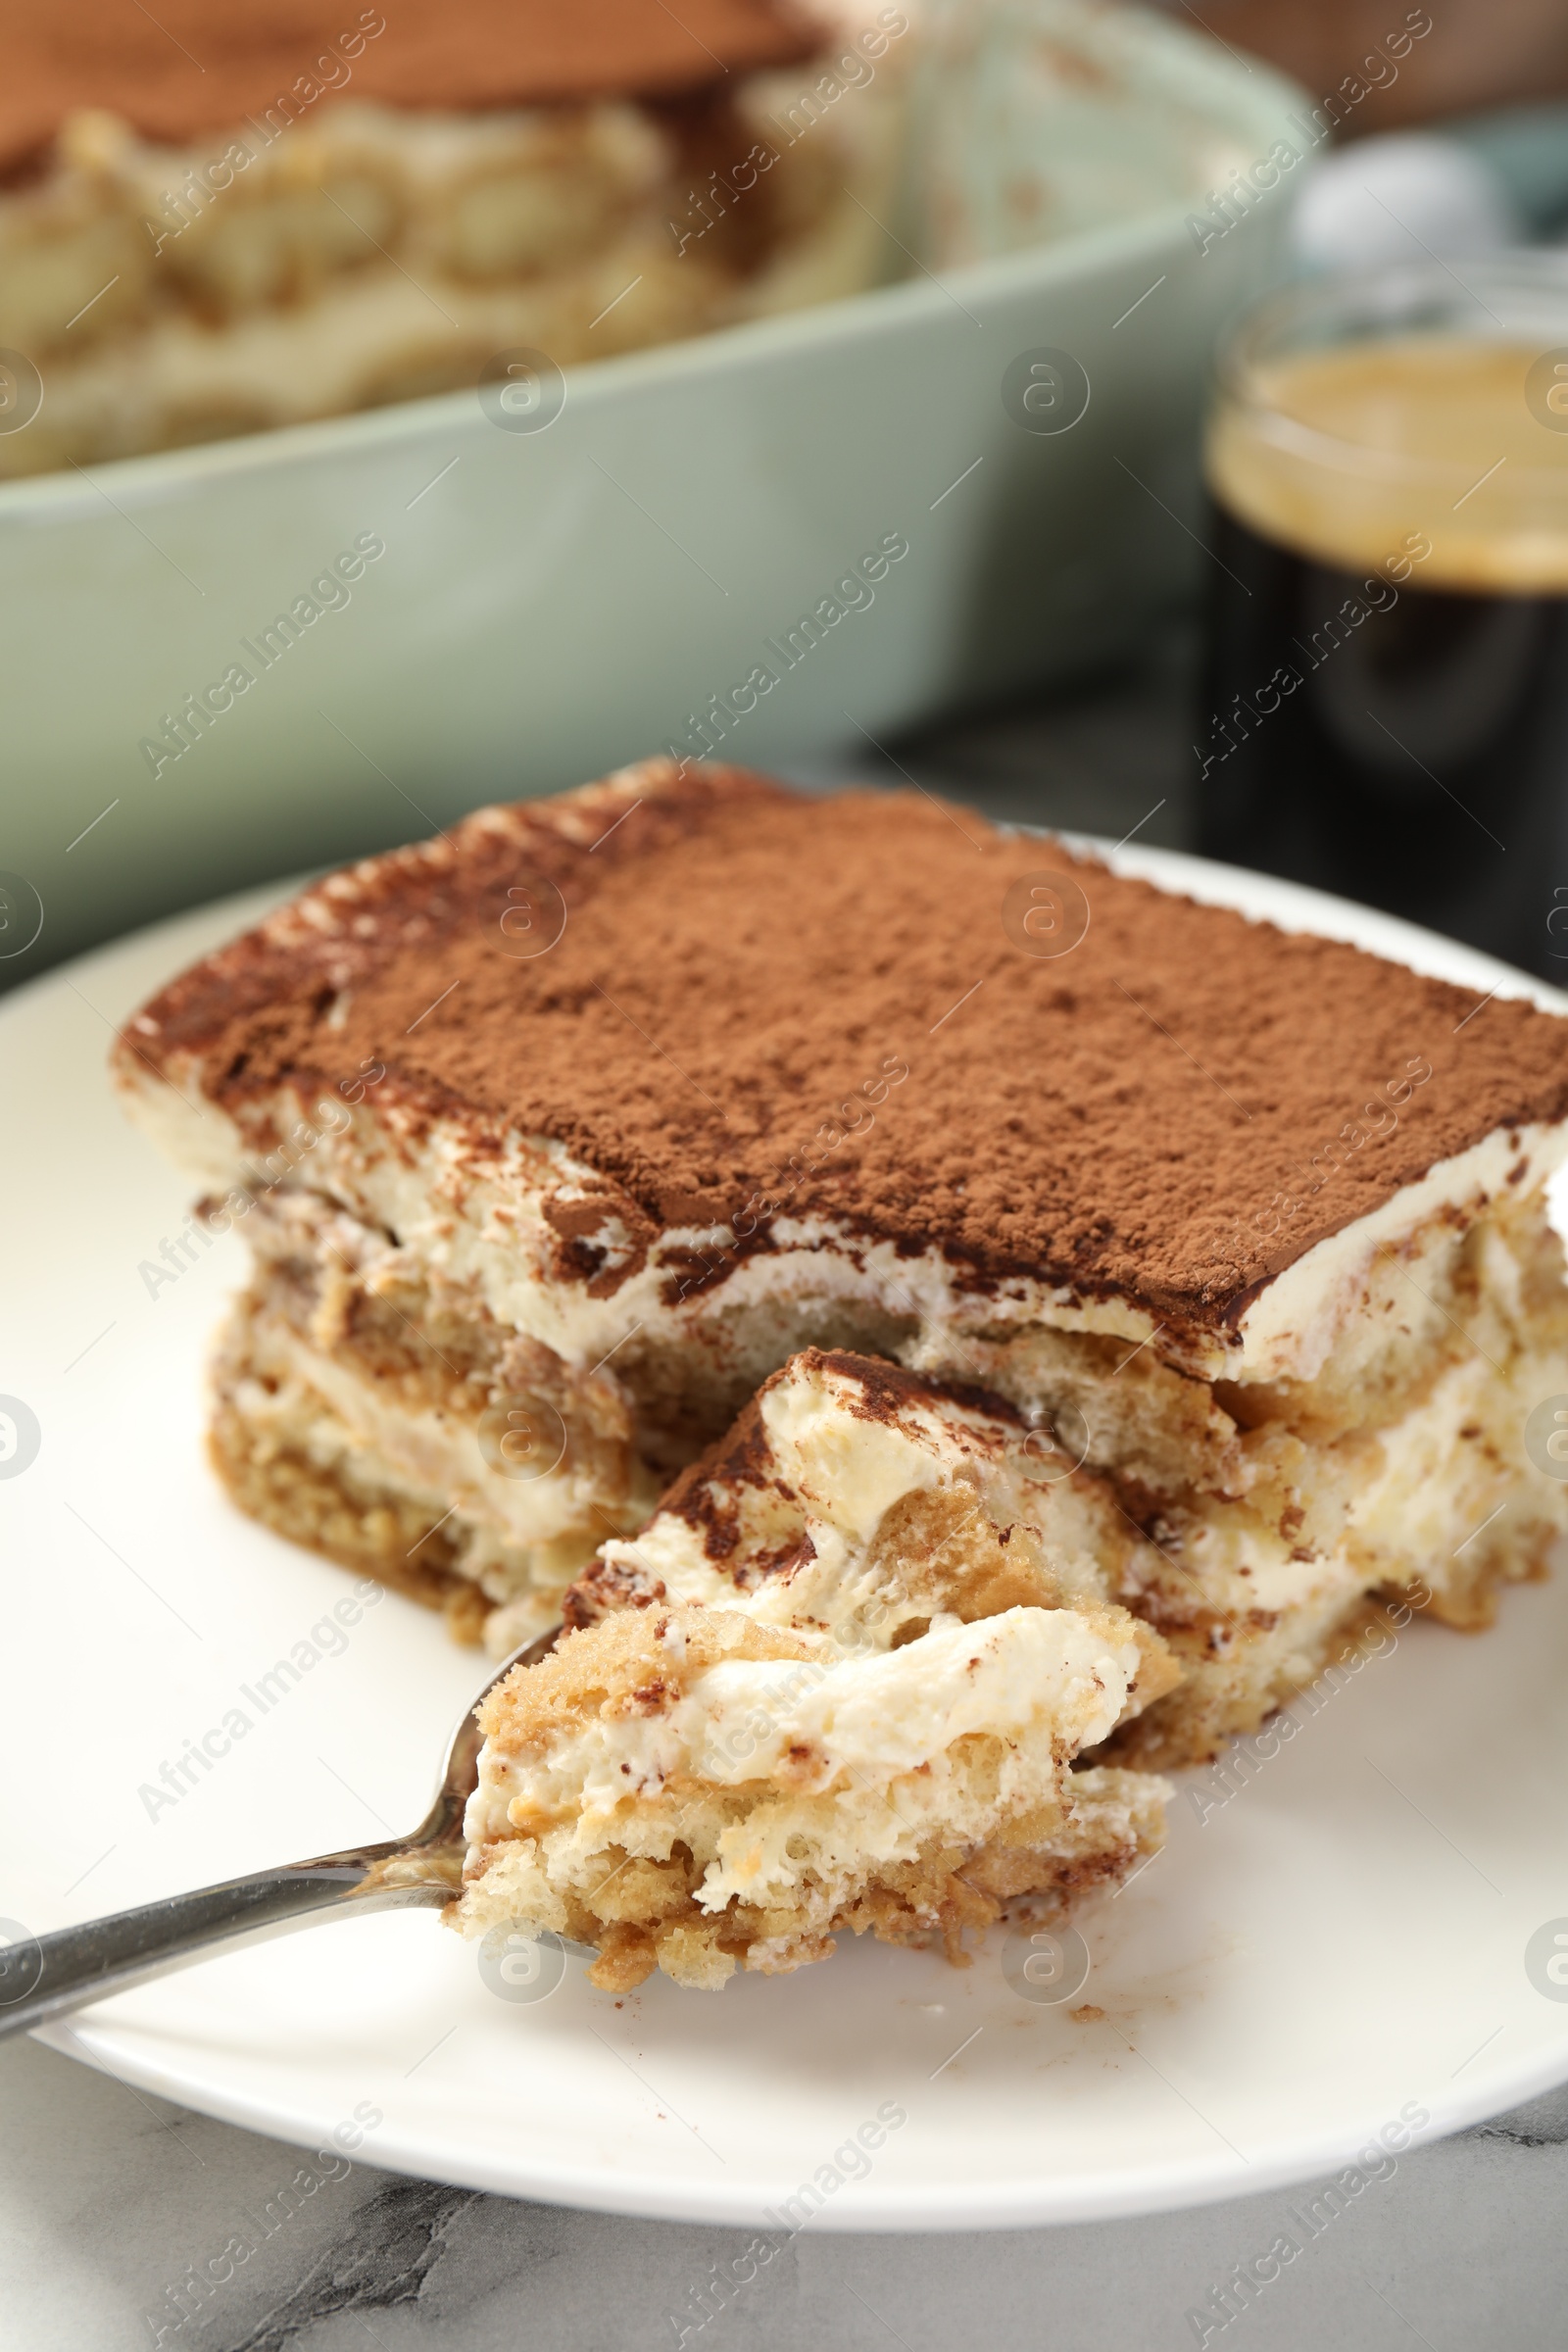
555,1137
217,219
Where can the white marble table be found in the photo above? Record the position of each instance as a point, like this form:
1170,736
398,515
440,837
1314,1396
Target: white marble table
108,2198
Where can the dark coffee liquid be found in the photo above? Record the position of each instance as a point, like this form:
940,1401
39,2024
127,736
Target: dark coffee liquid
1402,745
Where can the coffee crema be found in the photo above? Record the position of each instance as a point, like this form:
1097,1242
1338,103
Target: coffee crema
1340,453
1386,708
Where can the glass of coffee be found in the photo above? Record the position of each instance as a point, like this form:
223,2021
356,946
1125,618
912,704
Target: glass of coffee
1384,708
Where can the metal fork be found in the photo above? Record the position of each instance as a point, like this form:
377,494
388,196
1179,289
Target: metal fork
42,1975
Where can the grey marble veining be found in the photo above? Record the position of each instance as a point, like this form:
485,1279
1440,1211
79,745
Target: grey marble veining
108,2197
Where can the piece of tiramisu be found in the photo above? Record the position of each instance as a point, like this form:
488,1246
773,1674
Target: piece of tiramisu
215,219
839,1681
557,1135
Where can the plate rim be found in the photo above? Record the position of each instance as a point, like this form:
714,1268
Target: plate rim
1101,2195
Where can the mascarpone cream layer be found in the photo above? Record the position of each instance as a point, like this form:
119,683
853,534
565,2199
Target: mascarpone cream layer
479,1219
1047,1682
847,1471
430,1457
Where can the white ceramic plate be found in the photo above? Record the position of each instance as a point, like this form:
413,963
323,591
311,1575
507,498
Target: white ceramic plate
1337,1951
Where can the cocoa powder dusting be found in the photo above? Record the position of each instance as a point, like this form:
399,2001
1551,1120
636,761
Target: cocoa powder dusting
191,66
765,1007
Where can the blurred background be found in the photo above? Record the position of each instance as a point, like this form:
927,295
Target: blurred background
535,564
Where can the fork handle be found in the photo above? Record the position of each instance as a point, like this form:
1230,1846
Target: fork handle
42,1975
